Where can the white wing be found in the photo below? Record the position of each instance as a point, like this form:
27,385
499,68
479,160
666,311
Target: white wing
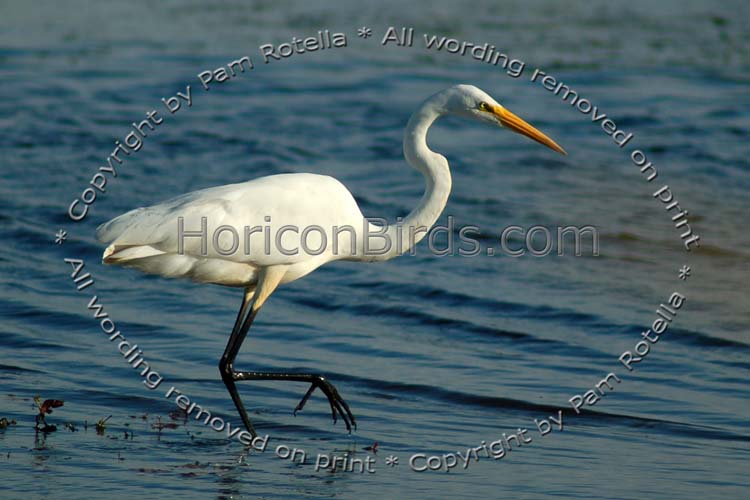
147,238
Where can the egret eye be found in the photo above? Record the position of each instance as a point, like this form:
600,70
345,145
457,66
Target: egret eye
483,106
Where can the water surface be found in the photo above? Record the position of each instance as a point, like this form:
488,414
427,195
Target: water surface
434,354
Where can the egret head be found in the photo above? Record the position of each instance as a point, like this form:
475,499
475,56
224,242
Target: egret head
472,102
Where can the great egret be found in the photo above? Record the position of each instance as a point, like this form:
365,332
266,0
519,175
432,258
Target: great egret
163,239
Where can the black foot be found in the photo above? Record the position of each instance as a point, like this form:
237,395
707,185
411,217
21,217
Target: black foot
228,376
338,405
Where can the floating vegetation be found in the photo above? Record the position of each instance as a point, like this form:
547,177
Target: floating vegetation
44,409
4,422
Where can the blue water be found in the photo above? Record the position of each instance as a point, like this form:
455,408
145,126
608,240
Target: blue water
433,354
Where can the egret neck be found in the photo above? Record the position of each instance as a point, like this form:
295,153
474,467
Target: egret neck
400,238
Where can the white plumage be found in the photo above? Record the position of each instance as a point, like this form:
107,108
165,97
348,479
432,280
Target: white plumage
147,238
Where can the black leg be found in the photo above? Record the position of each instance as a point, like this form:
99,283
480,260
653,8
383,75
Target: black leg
227,360
229,376
338,405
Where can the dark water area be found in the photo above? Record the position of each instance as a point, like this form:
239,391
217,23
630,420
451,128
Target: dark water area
433,354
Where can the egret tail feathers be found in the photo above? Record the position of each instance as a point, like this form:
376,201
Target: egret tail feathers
117,254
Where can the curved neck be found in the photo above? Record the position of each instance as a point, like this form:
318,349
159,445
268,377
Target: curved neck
401,237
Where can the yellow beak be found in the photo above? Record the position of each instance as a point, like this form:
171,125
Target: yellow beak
518,125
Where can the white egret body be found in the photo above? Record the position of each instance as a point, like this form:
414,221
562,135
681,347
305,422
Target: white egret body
148,238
